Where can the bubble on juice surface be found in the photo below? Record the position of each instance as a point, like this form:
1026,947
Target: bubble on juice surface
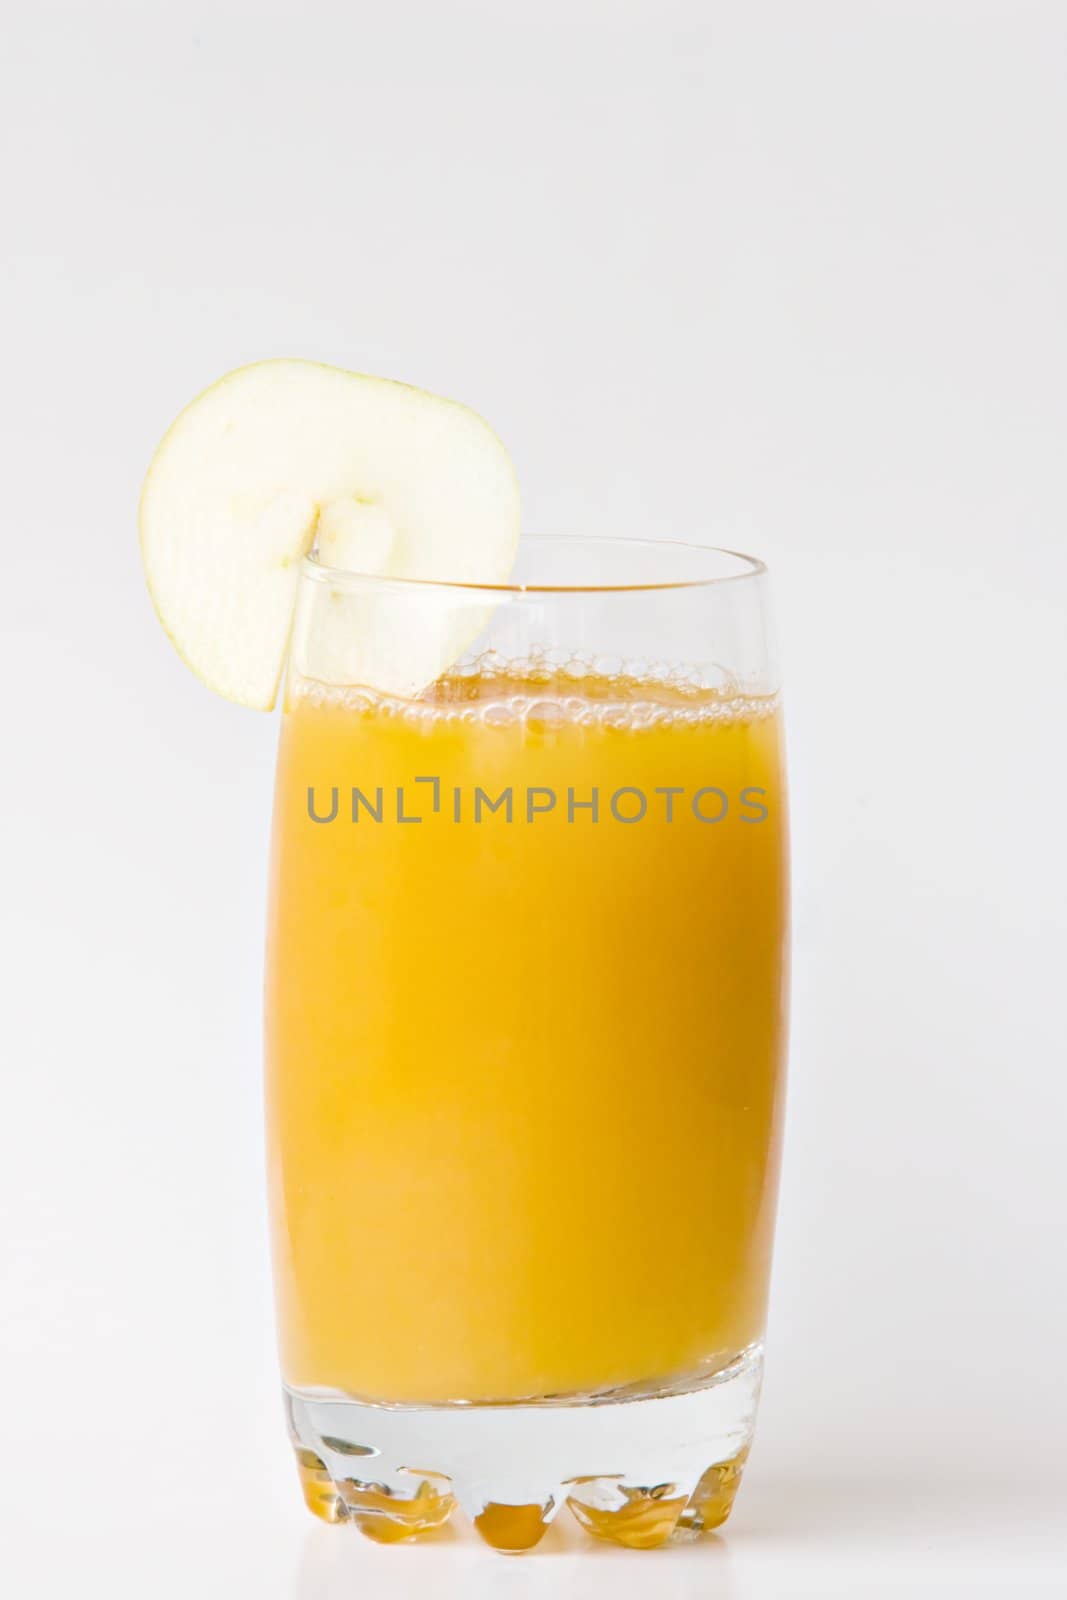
544,692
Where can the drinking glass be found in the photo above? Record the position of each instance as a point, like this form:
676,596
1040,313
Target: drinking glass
526,993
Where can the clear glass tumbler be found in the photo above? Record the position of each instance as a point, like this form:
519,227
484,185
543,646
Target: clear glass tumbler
526,1000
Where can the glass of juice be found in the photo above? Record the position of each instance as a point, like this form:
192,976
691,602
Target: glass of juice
526,1016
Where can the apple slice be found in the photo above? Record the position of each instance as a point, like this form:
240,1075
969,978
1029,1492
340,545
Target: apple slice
390,481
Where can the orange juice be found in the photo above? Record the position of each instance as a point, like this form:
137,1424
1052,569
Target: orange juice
524,1055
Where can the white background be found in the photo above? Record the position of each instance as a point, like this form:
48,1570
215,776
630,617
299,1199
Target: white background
788,273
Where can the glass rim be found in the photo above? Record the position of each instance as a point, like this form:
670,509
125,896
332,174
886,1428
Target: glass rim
751,567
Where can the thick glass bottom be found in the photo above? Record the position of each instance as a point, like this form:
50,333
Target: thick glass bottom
634,1466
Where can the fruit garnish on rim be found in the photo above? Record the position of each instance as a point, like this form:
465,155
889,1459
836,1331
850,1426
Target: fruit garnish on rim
285,458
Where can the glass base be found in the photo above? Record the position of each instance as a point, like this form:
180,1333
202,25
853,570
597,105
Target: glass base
635,1466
